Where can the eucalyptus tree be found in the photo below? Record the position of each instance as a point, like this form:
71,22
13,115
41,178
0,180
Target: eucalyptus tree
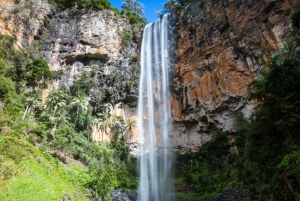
133,6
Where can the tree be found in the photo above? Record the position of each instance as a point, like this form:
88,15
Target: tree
133,6
105,122
82,103
56,99
33,102
61,120
129,126
37,71
169,6
6,86
273,136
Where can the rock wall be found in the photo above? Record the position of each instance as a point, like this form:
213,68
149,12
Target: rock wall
220,48
89,42
75,41
79,43
219,51
23,19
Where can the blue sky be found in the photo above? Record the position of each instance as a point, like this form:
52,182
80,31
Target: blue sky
150,7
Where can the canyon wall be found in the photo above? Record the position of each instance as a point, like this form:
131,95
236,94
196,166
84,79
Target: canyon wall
87,43
221,45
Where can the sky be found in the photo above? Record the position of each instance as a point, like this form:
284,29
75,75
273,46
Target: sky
150,7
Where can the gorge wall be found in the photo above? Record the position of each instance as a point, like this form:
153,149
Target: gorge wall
219,51
93,44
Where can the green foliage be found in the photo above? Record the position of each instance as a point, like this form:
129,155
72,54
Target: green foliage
37,71
97,4
6,68
127,37
267,164
133,6
6,48
20,61
63,126
134,18
7,86
78,177
172,6
23,168
69,141
295,19
273,133
83,86
110,172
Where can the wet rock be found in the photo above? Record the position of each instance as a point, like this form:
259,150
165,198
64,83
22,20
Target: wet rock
124,195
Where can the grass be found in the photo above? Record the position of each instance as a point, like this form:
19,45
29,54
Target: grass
188,196
180,189
28,174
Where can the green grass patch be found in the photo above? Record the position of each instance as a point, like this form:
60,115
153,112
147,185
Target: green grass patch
27,174
188,196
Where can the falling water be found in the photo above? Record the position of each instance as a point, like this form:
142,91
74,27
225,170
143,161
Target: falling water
154,114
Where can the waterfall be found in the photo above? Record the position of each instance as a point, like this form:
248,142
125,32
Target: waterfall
154,114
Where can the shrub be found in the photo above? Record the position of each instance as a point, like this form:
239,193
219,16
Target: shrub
127,37
134,18
6,86
36,71
295,19
98,4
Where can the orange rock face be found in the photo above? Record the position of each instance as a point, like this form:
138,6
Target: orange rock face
218,56
23,19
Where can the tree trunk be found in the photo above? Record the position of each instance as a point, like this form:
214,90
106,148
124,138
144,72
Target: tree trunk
25,112
76,117
53,131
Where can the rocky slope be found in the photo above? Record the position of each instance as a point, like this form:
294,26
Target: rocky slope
220,49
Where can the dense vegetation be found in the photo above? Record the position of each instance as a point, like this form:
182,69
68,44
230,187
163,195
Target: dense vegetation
58,122
59,126
98,4
46,147
24,168
132,9
265,163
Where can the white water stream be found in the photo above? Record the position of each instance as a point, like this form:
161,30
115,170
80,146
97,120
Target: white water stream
154,115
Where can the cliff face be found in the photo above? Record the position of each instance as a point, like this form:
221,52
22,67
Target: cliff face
94,44
89,42
23,19
220,47
219,52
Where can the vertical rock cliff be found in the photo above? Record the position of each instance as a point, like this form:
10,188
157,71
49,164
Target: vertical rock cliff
95,44
23,19
221,45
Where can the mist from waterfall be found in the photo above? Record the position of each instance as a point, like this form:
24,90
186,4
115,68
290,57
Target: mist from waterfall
154,114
